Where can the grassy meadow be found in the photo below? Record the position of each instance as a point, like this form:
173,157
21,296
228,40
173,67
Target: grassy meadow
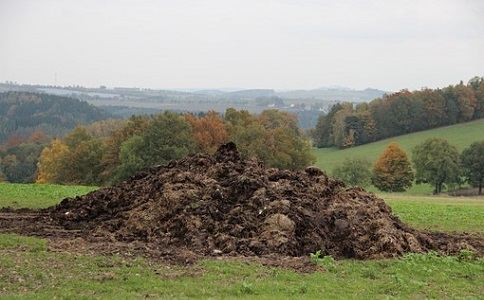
459,135
18,195
28,270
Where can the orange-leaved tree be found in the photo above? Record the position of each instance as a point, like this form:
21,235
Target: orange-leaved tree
392,171
38,137
208,131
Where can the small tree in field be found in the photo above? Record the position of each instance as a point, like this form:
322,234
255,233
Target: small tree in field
473,164
436,162
354,172
392,171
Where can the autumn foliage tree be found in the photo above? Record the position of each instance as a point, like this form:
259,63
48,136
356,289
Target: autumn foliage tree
273,136
392,171
76,159
135,125
38,137
245,131
208,131
14,140
51,163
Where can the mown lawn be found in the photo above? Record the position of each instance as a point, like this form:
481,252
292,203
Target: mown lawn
28,270
460,135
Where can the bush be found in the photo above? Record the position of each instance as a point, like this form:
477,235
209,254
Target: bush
354,172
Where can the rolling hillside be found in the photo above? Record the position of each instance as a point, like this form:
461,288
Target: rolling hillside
460,135
22,113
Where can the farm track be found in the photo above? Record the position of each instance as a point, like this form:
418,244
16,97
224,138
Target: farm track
33,223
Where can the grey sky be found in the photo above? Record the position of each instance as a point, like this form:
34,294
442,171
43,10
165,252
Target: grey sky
251,44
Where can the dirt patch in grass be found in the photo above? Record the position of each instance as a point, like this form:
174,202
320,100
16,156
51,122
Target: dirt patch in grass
224,205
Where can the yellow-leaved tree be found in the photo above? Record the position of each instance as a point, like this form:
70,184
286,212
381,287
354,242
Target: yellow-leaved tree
51,166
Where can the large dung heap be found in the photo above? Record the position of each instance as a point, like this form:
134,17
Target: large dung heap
223,204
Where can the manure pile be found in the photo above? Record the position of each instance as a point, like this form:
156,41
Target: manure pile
226,205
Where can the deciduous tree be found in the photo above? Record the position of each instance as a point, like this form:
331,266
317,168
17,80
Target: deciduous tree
135,125
436,162
473,164
38,137
167,137
22,166
51,166
273,136
392,171
324,128
208,131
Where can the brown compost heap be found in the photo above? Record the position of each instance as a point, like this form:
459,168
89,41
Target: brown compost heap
226,205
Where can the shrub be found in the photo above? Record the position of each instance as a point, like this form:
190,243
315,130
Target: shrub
354,172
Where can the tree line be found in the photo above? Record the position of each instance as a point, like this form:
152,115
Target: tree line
348,125
86,157
435,161
19,156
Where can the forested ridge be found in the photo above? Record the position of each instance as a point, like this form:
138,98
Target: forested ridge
348,125
22,113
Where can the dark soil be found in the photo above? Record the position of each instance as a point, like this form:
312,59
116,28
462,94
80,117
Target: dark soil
224,205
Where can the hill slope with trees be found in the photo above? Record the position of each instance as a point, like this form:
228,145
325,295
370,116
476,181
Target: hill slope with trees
460,135
347,125
22,113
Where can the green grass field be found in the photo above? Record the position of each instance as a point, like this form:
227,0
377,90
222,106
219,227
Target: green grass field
460,135
28,270
439,213
19,195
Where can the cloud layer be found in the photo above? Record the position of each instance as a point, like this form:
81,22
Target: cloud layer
254,44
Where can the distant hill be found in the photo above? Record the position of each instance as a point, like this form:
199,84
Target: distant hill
459,135
21,113
334,94
307,104
254,93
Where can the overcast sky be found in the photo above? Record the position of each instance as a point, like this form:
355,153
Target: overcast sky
281,44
